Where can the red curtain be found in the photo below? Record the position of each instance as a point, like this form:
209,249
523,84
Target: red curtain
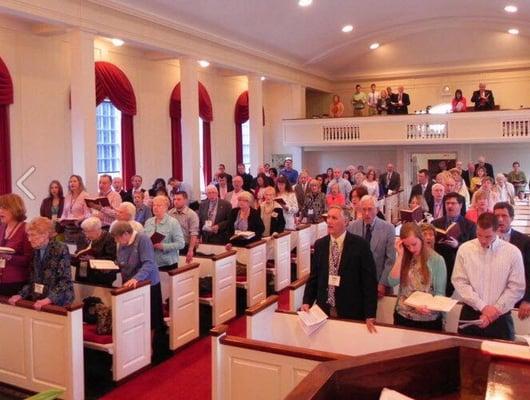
241,115
206,114
112,83
6,98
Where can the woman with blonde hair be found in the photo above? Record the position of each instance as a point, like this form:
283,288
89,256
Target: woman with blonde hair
271,213
478,206
75,209
417,268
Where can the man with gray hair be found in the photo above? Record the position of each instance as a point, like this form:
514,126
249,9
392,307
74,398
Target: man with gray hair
213,217
302,188
126,212
381,237
436,203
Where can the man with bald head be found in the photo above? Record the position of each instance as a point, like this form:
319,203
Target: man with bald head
213,217
400,101
483,98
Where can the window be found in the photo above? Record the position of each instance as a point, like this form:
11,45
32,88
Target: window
108,127
245,133
201,157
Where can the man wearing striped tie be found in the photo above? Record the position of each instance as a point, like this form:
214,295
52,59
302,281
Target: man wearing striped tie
343,277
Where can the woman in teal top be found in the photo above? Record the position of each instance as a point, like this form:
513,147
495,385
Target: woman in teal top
417,268
166,234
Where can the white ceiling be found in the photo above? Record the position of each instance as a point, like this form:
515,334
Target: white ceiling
416,36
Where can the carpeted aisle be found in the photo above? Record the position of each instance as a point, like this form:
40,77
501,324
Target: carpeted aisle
186,375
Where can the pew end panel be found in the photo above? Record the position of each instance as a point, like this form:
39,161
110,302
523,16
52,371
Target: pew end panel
42,350
260,315
303,251
282,260
296,293
254,256
183,305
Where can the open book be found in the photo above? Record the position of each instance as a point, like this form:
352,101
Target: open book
312,320
103,264
7,250
280,201
414,215
102,201
452,231
433,303
243,235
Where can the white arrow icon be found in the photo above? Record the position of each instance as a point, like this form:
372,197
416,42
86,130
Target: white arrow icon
20,182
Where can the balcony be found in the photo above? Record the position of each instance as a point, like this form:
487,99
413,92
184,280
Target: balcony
412,129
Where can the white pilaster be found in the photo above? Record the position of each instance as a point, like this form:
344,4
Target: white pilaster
298,110
189,95
255,110
83,108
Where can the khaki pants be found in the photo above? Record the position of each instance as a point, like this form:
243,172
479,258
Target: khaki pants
372,111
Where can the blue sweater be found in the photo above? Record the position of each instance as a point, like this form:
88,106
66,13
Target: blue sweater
137,260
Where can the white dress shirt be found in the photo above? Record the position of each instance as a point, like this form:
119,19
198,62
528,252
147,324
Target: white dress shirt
492,276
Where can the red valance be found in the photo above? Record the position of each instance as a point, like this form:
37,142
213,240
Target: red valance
111,82
6,85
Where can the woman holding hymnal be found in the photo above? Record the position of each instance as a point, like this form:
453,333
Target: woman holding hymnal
417,269
244,222
75,209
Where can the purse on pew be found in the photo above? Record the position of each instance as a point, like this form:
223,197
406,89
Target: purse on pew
97,313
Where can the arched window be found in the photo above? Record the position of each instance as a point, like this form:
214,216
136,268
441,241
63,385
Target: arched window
114,92
108,128
205,117
6,98
241,118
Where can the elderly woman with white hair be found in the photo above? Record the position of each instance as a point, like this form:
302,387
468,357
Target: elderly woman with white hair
126,211
100,245
504,189
166,234
244,218
50,280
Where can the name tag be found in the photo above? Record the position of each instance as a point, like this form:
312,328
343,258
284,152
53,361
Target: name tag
334,280
310,211
2,263
208,223
83,269
38,288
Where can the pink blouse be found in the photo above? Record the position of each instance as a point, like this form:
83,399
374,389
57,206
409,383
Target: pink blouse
76,209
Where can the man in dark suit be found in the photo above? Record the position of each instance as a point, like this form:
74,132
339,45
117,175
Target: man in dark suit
423,187
447,248
136,186
117,185
223,186
450,187
390,180
483,98
213,217
505,214
247,178
343,279
487,166
400,102
436,202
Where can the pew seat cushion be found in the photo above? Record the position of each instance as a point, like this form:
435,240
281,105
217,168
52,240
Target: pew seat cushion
90,335
241,278
206,295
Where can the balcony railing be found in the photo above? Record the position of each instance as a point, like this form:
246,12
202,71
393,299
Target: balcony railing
473,127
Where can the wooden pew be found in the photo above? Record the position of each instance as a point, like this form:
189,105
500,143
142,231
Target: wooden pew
181,287
318,231
130,341
296,293
277,354
279,252
42,350
301,238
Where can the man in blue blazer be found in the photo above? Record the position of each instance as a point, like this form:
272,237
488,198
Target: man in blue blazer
342,280
382,237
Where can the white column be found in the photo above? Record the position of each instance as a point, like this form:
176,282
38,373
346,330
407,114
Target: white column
298,110
189,96
83,108
255,111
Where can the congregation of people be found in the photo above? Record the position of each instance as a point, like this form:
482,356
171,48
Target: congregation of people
387,102
486,265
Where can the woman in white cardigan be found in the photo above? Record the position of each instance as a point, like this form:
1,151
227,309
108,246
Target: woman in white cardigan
285,192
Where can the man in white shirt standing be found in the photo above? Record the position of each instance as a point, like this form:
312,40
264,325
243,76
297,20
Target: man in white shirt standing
489,278
107,215
373,97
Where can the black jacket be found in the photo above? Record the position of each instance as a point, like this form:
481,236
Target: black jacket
522,242
416,190
356,297
277,222
255,224
488,105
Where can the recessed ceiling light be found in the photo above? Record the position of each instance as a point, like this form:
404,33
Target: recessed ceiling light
347,28
263,78
510,8
304,3
117,42
513,31
203,63
374,46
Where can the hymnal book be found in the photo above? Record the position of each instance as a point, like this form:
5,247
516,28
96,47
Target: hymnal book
280,201
157,237
524,339
68,221
414,215
102,201
388,394
312,320
103,264
452,231
433,303
243,235
7,250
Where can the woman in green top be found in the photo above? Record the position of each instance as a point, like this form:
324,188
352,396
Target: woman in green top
417,268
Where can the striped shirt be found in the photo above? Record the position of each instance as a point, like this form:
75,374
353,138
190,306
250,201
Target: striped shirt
491,276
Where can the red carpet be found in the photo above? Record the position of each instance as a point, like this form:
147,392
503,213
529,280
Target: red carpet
186,375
